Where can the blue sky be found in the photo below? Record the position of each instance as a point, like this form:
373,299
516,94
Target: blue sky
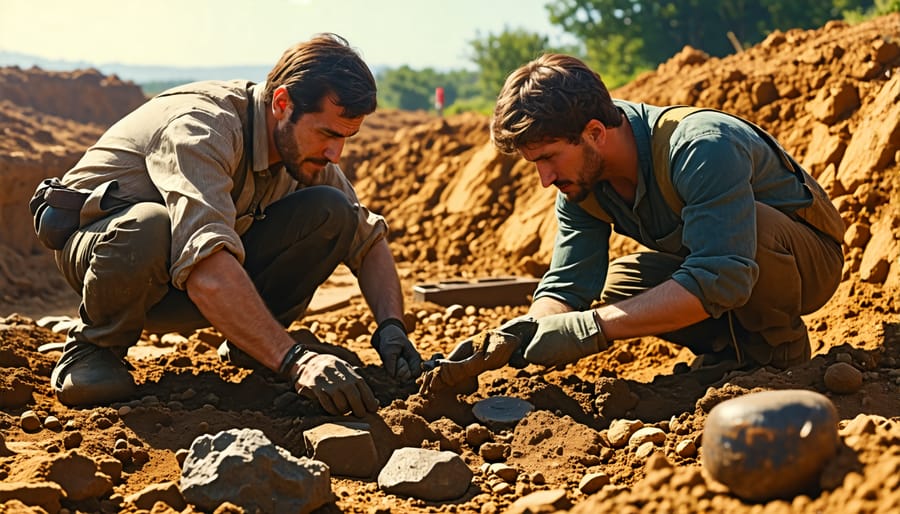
419,33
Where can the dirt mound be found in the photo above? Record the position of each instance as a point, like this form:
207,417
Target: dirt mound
457,207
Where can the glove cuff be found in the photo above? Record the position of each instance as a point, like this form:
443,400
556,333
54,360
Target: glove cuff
294,354
376,337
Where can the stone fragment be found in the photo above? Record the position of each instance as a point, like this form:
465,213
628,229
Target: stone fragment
772,444
166,492
621,430
52,423
425,474
493,452
477,434
72,440
501,411
541,502
347,448
243,467
686,448
30,421
592,482
504,471
46,495
647,435
843,378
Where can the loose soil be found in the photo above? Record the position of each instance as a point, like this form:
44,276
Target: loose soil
458,209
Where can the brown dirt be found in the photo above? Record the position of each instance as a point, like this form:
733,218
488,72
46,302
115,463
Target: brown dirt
457,208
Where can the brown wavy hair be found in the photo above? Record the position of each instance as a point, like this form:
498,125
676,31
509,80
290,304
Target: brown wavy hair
552,97
326,65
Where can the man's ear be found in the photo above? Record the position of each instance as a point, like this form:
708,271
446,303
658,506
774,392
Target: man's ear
594,131
281,103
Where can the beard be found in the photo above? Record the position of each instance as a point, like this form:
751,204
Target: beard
592,168
289,151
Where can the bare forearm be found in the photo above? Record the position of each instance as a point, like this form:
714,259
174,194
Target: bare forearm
224,293
380,284
666,307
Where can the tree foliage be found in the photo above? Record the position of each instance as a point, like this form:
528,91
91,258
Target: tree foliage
624,37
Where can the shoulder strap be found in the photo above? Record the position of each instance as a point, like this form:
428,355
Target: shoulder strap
660,135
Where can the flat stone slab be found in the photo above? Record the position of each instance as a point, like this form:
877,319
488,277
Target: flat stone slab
501,411
425,474
347,448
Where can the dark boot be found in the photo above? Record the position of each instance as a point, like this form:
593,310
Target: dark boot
88,375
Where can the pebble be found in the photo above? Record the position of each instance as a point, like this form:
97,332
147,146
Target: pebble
52,423
843,378
507,473
647,435
686,448
593,482
30,421
477,434
124,411
620,431
771,444
494,452
72,440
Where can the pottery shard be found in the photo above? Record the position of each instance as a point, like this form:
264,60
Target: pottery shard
347,448
425,474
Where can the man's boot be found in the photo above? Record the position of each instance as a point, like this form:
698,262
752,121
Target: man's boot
88,375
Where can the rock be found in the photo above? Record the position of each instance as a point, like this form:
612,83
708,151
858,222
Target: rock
52,423
243,467
493,452
166,492
347,448
30,421
507,473
772,444
476,435
541,502
647,435
425,474
620,431
686,448
592,482
500,412
843,378
45,495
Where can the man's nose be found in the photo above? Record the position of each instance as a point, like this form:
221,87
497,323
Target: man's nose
548,176
333,150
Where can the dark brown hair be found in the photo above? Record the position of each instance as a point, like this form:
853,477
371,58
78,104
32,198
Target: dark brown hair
551,97
325,65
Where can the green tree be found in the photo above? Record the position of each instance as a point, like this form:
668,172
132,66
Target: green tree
624,37
409,89
496,56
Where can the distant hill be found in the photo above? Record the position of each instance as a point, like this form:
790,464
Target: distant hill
140,75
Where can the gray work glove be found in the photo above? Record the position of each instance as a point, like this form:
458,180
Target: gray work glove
333,383
564,338
489,350
399,356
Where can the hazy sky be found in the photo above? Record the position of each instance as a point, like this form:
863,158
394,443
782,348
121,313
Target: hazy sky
419,33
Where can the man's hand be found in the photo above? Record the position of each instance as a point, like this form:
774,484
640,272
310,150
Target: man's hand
334,383
564,338
400,358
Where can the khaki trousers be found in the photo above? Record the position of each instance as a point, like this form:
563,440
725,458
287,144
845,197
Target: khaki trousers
120,265
799,270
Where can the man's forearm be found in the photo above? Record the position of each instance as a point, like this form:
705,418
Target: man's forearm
546,306
380,284
665,308
224,293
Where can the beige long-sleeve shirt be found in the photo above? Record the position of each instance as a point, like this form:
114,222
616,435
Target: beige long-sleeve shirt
185,149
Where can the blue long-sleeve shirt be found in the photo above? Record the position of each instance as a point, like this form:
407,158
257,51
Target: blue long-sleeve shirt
720,167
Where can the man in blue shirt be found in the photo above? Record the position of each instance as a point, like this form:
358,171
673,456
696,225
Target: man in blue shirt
752,244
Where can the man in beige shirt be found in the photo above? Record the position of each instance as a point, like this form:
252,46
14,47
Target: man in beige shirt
221,204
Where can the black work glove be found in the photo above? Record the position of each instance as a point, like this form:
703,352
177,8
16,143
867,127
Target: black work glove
399,356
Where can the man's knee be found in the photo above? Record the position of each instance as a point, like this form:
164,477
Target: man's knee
136,240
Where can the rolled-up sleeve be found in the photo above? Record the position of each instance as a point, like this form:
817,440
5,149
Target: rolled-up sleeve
713,176
191,163
580,259
371,227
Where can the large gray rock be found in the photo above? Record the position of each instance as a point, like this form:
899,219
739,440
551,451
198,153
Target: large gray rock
243,467
425,474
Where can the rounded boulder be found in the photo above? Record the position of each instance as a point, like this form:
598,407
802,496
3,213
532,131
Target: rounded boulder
771,444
